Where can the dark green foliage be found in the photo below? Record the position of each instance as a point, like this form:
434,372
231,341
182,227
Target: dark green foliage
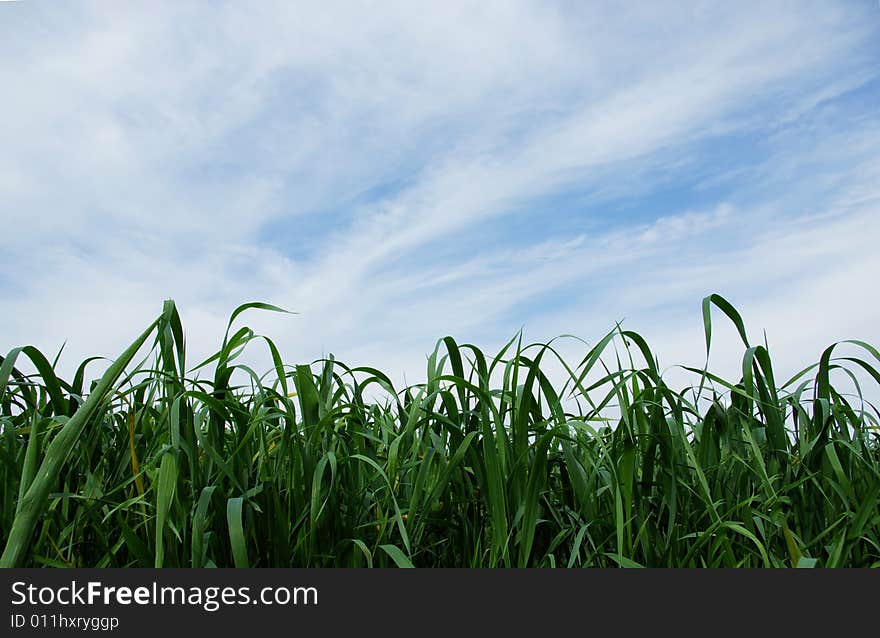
486,464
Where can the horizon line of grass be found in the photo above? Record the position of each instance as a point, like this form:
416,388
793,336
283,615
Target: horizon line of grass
487,463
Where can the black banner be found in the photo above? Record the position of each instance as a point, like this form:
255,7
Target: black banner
151,602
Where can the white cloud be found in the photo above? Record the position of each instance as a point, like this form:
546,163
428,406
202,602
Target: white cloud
146,149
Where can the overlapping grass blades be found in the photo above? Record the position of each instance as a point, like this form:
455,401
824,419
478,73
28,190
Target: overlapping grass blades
488,463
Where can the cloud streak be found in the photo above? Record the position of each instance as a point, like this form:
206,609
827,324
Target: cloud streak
397,173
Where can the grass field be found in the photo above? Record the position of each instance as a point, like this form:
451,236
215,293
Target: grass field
488,463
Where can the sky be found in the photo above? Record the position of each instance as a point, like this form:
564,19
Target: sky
398,172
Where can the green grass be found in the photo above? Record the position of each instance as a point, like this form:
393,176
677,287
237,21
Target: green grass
488,463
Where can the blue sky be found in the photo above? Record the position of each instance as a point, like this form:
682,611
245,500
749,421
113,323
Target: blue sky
396,173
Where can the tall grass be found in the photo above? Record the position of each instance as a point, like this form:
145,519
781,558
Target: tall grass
488,463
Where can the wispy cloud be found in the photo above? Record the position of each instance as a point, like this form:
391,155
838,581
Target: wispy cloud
396,173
